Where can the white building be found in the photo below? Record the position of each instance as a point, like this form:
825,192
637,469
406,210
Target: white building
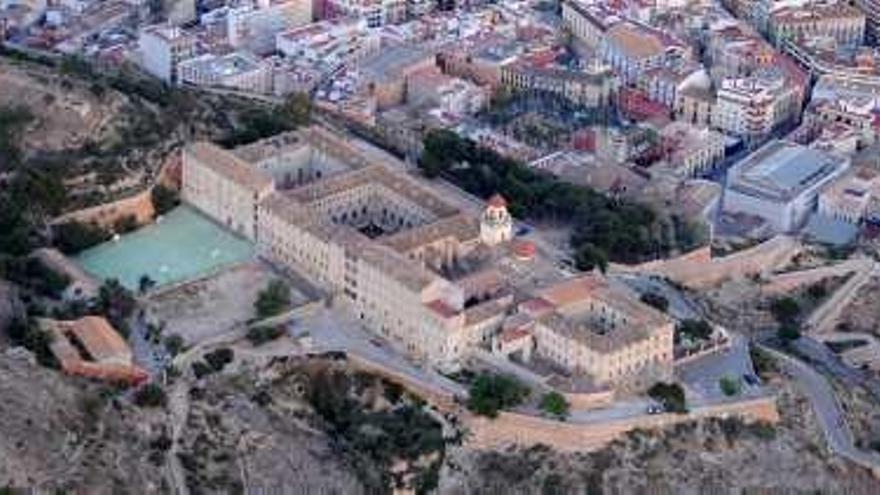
853,198
329,45
162,48
752,107
377,13
238,70
254,27
632,50
780,182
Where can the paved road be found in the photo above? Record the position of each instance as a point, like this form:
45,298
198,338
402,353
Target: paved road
680,307
701,377
827,409
333,331
821,319
152,357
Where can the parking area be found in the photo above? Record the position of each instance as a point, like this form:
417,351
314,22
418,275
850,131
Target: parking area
702,377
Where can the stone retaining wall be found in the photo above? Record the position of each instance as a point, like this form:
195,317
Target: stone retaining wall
520,429
140,206
698,270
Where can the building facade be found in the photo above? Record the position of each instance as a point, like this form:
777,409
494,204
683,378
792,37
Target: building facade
414,268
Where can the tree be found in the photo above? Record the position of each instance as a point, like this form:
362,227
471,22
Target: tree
13,121
817,291
489,393
260,335
729,385
554,404
125,224
589,257
164,199
73,236
785,309
116,303
145,283
28,334
297,108
671,395
695,329
272,300
656,300
150,395
174,344
788,332
219,358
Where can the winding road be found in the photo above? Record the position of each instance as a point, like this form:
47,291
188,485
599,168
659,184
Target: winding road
828,411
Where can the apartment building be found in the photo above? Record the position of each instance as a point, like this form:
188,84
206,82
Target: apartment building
161,48
238,70
253,27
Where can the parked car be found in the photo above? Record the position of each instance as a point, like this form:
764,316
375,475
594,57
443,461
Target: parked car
751,379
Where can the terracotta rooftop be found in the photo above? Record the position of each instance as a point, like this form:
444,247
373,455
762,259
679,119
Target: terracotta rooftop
99,338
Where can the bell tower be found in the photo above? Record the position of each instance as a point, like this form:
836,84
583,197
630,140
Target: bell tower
496,224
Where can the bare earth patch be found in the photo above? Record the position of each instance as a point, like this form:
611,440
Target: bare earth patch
214,305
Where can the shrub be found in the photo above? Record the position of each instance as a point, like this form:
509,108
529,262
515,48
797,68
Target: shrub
174,344
125,224
28,334
763,430
788,332
695,329
218,359
392,391
656,300
150,395
671,395
261,335
763,362
785,309
817,291
164,199
33,273
729,385
554,404
200,369
272,300
116,303
72,237
489,393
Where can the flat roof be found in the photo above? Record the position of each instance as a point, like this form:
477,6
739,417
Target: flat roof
781,170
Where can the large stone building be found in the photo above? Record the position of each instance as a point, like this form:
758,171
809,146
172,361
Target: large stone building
432,277
837,20
780,182
585,325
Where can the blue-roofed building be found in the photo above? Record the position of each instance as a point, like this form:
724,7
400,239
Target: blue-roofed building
780,183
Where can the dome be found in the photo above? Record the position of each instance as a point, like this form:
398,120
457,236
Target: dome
497,201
